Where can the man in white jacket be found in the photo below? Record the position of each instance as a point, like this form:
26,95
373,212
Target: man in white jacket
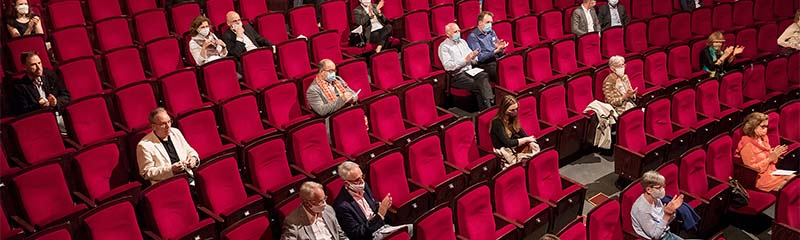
164,152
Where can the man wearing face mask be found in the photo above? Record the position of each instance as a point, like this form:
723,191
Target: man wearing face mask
360,215
649,216
489,47
328,92
313,219
457,59
240,37
374,26
584,18
612,14
617,88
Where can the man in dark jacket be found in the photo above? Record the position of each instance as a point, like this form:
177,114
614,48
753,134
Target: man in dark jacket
38,89
373,24
241,38
612,14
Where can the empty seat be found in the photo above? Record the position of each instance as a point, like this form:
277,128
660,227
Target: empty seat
755,87
767,33
538,66
589,49
677,27
711,192
679,63
113,33
546,184
553,111
350,136
45,197
71,43
355,73
81,78
461,150
467,13
269,171
38,138
101,9
474,216
104,174
65,13
151,25
283,107
133,103
256,226
574,231
293,58
258,69
546,135
627,197
386,71
416,26
786,223
721,17
658,31
114,220
564,58
272,26
312,152
387,175
417,64
700,24
302,20
601,221
242,120
420,108
497,7
538,6
441,15
513,202
636,153
708,103
200,129
180,92
436,224
428,169
743,10
731,93
133,7
169,211
684,103
636,37
550,25
222,193
526,29
220,79
655,72
182,14
10,232
324,45
216,10
163,56
610,42
124,67
512,79
89,121
387,122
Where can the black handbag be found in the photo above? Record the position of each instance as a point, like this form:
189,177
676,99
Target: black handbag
739,195
356,40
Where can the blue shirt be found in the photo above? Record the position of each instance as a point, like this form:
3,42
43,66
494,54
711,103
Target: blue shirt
485,41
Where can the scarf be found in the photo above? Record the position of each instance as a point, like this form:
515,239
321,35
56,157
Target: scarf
746,139
322,83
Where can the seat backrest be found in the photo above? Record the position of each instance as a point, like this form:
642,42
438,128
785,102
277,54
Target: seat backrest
293,58
518,8
216,10
670,173
788,204
325,45
678,61
700,24
281,104
511,72
272,26
81,78
553,105
525,28
387,118
134,103
510,195
528,115
657,119
417,59
484,120
634,68
415,22
538,6
113,33
124,66
775,123
241,118
627,197
790,129
564,59
114,220
550,25
102,9
504,32
333,16
474,213
150,25
631,130
460,143
102,169
658,31
697,47
441,15
692,172
642,10
220,79
544,178
22,44
683,103
89,120
597,84
267,163
310,149
603,221
182,15
163,56
467,13
747,38
303,20
721,17
537,64
655,68
387,175
437,225
38,137
65,13
497,7
743,10
719,158
220,186
258,68
579,93
253,227
636,36
136,6
610,41
71,43
663,7
170,207
349,134
43,194
707,101
200,129
677,26
730,89
425,160
753,85
419,104
386,72
767,33
180,91
355,74
589,49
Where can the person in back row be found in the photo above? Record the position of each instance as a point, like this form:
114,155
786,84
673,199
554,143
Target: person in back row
584,18
328,92
457,59
240,37
713,59
205,46
374,26
488,45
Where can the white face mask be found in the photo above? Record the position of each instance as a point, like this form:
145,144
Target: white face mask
318,209
366,3
203,31
357,187
613,2
23,8
620,71
658,194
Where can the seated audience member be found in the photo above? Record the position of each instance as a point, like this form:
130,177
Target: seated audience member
649,216
757,153
457,59
617,87
511,144
713,59
374,26
359,214
791,36
22,21
549,237
204,45
314,219
164,152
240,37
38,88
584,18
328,92
489,47
691,5
612,14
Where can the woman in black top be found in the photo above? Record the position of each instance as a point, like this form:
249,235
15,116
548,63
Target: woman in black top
21,21
713,59
509,141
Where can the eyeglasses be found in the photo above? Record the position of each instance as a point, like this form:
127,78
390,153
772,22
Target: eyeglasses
237,20
317,203
163,124
763,126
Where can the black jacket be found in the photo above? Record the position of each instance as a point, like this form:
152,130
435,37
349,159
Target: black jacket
25,98
236,48
361,18
604,15
352,219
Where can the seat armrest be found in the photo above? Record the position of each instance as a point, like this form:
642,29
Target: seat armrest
22,223
300,170
253,189
226,138
542,200
85,199
420,185
210,214
151,235
450,167
502,221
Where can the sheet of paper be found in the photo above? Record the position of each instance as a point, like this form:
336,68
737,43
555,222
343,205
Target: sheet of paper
357,92
781,172
474,71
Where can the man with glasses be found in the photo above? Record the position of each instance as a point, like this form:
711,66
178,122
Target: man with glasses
328,92
164,152
241,38
649,216
313,219
360,215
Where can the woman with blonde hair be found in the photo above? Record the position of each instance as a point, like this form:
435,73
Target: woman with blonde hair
715,60
509,141
756,152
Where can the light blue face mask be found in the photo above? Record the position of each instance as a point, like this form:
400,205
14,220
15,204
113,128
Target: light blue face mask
456,37
331,77
487,28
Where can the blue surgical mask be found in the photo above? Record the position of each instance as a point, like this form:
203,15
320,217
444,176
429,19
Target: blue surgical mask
456,37
331,77
487,28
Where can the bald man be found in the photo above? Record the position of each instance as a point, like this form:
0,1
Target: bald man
241,38
313,219
328,92
457,59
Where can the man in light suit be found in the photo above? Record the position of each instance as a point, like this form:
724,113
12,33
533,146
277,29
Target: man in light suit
612,14
164,152
328,92
584,18
313,219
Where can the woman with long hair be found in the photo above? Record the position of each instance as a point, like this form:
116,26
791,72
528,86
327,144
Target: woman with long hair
756,152
509,141
205,46
21,21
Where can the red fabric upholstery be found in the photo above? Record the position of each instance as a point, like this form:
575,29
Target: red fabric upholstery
642,10
293,58
220,79
719,157
631,132
564,60
683,103
700,24
60,232
349,134
518,8
484,121
679,62
420,107
113,221
311,150
99,9
467,13
776,75
511,74
388,176
268,167
44,195
526,27
602,222
511,198
539,6
790,129
221,188
627,197
272,26
697,47
754,85
474,215
788,205
81,78
579,93
124,66
708,100
677,26
136,6
417,61
163,56
721,18
553,107
325,45
180,92
589,49
426,163
461,149
151,24
576,231
300,21
441,15
65,13
134,103
663,7
242,120
610,42
692,173
171,209
731,91
38,137
386,72
387,119
415,22
528,121
544,179
22,44
743,10
200,130
538,67
103,172
282,105
90,121
767,33
412,5
253,227
550,25
258,68
113,33
498,7
747,38
357,77
71,43
182,16
658,120
656,70
436,226
216,10
636,37
503,31
8,232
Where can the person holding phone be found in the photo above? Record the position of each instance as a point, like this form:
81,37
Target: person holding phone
457,59
757,153
204,45
328,92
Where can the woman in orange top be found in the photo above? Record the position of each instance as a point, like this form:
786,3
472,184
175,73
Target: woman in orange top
758,154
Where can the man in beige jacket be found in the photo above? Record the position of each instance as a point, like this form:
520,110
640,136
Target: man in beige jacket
164,152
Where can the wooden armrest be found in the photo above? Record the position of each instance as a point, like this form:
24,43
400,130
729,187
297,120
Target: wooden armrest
24,224
542,200
300,170
151,235
453,166
423,186
210,214
256,190
500,219
85,199
225,138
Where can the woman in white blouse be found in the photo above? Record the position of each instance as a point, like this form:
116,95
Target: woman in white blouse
204,45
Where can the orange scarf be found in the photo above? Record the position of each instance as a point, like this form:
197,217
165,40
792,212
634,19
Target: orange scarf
746,139
322,83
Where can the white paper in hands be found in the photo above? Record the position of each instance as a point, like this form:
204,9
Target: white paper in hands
474,71
781,172
357,92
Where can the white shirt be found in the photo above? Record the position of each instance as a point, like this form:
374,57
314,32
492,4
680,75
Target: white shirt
697,3
452,55
248,44
589,20
38,84
319,227
376,25
615,21
362,202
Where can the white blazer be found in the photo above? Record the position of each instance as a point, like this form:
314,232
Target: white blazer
154,163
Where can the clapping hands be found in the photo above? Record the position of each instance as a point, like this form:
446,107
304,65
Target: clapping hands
674,204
